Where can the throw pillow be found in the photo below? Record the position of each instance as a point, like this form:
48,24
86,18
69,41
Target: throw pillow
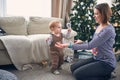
2,32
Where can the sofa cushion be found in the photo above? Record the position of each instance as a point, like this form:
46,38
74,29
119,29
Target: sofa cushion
40,25
13,25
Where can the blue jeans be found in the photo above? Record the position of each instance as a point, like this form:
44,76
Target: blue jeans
90,69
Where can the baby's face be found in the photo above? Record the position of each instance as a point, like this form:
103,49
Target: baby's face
58,29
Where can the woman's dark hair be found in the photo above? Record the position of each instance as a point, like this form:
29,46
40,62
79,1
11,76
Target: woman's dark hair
105,11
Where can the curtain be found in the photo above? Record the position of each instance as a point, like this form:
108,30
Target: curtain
56,8
66,9
61,9
2,8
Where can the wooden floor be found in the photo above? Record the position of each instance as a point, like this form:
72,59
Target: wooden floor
43,73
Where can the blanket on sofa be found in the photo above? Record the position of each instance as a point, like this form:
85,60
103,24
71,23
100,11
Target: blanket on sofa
24,50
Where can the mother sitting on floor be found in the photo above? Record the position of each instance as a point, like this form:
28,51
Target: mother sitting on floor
104,62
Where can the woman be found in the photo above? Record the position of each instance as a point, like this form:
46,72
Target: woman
104,62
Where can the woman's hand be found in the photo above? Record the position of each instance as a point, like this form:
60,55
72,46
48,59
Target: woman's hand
60,45
78,41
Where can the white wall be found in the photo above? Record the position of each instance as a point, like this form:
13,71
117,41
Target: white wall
28,8
107,1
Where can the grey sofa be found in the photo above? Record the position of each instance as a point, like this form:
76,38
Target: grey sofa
19,26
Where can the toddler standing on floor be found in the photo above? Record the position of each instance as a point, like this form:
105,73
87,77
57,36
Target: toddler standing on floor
57,56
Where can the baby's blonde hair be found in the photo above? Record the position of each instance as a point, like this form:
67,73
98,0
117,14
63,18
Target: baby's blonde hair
54,24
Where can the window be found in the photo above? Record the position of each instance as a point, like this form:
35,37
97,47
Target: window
28,8
2,7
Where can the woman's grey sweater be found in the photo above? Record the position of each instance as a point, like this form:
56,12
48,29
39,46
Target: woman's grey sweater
103,41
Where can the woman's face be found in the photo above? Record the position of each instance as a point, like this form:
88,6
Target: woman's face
97,16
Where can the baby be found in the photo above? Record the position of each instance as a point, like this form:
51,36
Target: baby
57,56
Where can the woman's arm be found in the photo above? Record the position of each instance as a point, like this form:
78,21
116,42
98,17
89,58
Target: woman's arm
69,45
97,40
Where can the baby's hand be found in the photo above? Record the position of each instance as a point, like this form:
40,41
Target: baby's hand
78,41
58,45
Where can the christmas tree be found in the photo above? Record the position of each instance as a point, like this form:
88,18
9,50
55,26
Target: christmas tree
81,19
115,20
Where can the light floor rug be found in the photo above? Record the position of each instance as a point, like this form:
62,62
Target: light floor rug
43,73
